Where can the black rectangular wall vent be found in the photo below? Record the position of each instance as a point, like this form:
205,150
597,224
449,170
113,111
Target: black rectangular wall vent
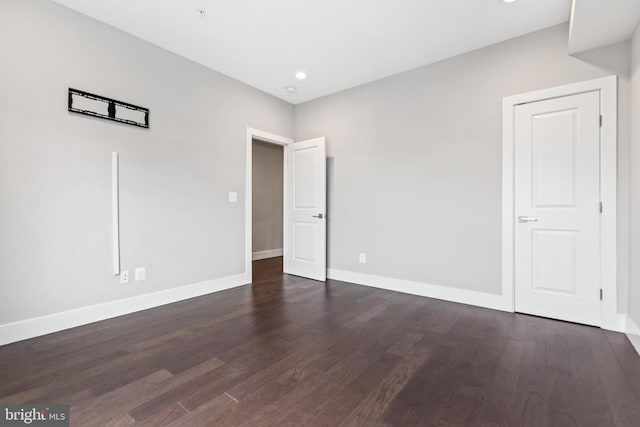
102,107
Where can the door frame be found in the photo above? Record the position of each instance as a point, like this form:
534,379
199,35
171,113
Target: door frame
248,227
607,86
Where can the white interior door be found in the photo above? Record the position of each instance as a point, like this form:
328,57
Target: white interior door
305,228
557,208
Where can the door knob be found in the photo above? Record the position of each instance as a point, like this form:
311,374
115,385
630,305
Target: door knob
319,216
527,219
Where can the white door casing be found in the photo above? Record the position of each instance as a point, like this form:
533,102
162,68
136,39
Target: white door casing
557,208
272,139
305,228
611,317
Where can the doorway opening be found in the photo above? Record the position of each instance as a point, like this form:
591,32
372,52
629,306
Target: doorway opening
264,220
304,227
267,209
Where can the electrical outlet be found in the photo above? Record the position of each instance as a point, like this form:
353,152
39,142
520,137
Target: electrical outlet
124,277
362,258
141,273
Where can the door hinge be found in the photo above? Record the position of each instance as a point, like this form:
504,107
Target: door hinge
600,294
600,120
600,207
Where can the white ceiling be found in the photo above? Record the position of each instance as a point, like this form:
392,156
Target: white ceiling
339,43
596,23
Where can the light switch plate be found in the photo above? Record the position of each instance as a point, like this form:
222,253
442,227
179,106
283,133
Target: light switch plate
141,273
362,257
233,197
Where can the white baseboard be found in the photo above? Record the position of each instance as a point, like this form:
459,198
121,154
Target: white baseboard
266,254
480,299
614,323
633,333
30,328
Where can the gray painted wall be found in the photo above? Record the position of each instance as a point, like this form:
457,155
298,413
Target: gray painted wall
415,159
634,282
55,167
267,197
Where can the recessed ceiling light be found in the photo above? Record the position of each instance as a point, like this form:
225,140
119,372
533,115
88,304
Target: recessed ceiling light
508,1
291,89
301,75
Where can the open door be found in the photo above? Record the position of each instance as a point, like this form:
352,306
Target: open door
305,202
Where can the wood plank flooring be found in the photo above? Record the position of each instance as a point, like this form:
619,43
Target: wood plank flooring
287,351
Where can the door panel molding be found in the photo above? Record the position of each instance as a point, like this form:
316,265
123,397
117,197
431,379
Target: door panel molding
607,86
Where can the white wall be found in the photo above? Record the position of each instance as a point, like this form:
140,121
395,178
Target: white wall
634,282
55,188
267,196
415,159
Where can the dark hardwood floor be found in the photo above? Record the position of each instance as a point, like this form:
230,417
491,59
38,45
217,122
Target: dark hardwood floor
293,352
